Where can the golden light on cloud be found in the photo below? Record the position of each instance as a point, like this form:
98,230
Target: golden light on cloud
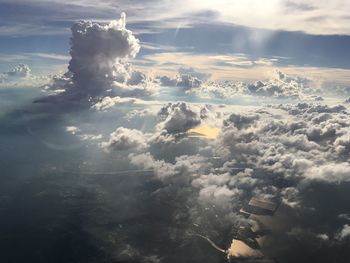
204,131
239,249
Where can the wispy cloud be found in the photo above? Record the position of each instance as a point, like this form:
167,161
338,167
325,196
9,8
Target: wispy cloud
289,15
13,57
218,65
51,56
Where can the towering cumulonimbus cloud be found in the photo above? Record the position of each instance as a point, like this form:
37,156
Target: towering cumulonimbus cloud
100,53
100,64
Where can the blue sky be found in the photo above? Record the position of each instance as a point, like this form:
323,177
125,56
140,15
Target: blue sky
234,36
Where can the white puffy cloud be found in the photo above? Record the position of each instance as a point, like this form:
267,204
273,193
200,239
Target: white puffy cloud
178,118
344,232
181,170
83,136
21,70
240,121
342,144
313,108
186,79
72,129
278,86
225,190
331,173
59,83
188,82
281,85
310,142
108,102
194,73
20,76
227,89
124,139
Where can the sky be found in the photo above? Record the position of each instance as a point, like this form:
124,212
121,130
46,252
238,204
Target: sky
139,130
237,38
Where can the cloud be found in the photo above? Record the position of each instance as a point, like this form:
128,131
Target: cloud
100,64
137,78
98,52
283,151
279,151
21,77
124,139
342,145
240,121
331,173
193,185
283,147
207,199
182,168
178,118
294,143
312,15
278,86
344,232
21,70
304,107
167,81
225,190
50,56
59,83
188,82
194,73
187,79
72,129
99,57
108,102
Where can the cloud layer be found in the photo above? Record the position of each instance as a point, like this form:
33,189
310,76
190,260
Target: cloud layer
135,183
281,152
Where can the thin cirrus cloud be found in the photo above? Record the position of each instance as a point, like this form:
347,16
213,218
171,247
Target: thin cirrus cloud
308,33
314,17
